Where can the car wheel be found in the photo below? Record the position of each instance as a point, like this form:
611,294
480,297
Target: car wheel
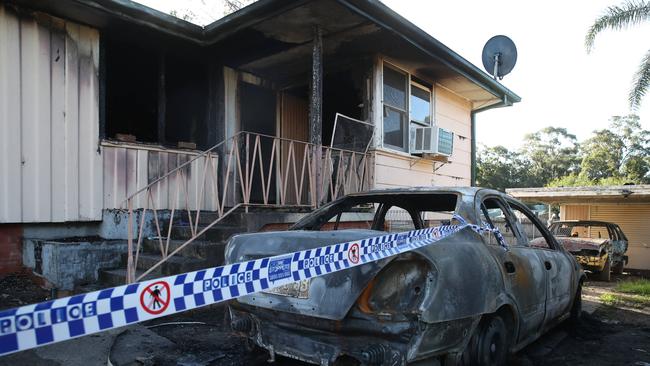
576,308
618,268
489,344
606,273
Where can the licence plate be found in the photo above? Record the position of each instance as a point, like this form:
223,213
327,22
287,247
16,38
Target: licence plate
298,290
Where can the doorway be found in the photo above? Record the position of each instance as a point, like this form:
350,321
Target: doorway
257,111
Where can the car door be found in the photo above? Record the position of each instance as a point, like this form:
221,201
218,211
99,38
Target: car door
557,263
523,271
619,241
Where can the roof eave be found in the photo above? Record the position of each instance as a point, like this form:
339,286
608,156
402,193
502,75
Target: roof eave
391,20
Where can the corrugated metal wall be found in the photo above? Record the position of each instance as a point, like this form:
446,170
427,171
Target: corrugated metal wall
574,212
635,222
50,166
128,168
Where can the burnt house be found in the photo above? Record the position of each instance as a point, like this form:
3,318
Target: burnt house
117,120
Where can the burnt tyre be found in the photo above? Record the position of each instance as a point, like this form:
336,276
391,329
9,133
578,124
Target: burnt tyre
489,344
618,268
576,309
605,275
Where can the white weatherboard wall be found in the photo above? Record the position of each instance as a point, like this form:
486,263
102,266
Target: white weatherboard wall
129,168
50,167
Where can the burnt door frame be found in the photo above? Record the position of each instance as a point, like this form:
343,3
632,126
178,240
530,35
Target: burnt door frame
258,114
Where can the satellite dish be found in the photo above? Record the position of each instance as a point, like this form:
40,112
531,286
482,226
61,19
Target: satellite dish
499,56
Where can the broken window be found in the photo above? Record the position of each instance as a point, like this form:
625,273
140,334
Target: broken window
530,228
494,216
156,97
131,92
395,213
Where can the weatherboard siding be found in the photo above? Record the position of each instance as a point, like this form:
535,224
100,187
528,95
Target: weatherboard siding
129,168
394,169
50,164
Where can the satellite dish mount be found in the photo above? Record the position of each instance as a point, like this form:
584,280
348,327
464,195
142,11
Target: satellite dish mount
499,56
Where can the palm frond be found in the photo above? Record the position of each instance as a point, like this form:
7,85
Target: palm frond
641,82
631,12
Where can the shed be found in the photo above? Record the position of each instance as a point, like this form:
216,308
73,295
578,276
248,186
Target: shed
627,205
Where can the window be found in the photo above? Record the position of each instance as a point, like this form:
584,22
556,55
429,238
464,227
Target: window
155,97
493,215
530,227
395,105
383,212
407,104
420,105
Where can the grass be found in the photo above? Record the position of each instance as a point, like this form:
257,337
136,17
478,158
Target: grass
637,287
630,293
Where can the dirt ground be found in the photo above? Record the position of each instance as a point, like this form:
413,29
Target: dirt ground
608,335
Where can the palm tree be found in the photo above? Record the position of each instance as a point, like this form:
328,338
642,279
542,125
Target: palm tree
630,12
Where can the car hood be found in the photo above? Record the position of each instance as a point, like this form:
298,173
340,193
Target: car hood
330,296
578,244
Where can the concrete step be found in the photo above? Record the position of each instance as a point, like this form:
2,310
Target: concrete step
117,276
199,249
217,233
173,265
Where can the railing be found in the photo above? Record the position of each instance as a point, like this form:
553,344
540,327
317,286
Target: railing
246,170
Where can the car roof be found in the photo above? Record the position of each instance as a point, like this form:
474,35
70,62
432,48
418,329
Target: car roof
469,191
585,222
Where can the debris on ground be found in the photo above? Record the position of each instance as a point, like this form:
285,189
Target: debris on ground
20,289
607,335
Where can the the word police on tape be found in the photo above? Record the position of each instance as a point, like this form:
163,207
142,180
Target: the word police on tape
66,318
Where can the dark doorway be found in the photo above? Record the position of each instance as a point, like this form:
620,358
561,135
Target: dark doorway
342,93
258,115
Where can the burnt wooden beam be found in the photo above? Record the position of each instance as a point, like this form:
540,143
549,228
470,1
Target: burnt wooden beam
162,99
316,110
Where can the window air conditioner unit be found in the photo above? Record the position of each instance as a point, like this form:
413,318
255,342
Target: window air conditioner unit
432,141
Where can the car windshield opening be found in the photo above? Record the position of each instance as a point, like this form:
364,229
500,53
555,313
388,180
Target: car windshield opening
577,230
383,212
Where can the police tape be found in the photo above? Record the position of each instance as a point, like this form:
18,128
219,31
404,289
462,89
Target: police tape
58,320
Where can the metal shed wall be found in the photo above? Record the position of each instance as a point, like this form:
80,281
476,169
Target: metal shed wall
634,221
50,166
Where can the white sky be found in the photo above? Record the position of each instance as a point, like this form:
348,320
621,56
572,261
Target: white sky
559,83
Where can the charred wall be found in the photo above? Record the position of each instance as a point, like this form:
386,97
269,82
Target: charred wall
161,95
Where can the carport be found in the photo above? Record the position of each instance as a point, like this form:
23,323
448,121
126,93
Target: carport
628,206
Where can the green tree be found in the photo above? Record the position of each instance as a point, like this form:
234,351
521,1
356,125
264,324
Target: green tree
621,151
635,163
500,168
551,152
630,12
602,155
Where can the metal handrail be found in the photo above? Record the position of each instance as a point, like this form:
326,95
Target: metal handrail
289,166
206,152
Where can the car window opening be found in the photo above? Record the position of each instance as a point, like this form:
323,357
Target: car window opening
384,213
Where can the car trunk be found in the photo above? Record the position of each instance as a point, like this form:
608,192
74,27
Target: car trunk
577,244
328,296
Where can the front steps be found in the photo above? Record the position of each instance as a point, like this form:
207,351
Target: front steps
204,252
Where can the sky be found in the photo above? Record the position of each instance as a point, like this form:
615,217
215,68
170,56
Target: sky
559,83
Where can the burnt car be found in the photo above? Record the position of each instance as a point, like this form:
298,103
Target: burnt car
598,246
468,299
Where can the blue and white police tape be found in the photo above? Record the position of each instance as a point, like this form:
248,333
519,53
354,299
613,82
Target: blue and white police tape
57,320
